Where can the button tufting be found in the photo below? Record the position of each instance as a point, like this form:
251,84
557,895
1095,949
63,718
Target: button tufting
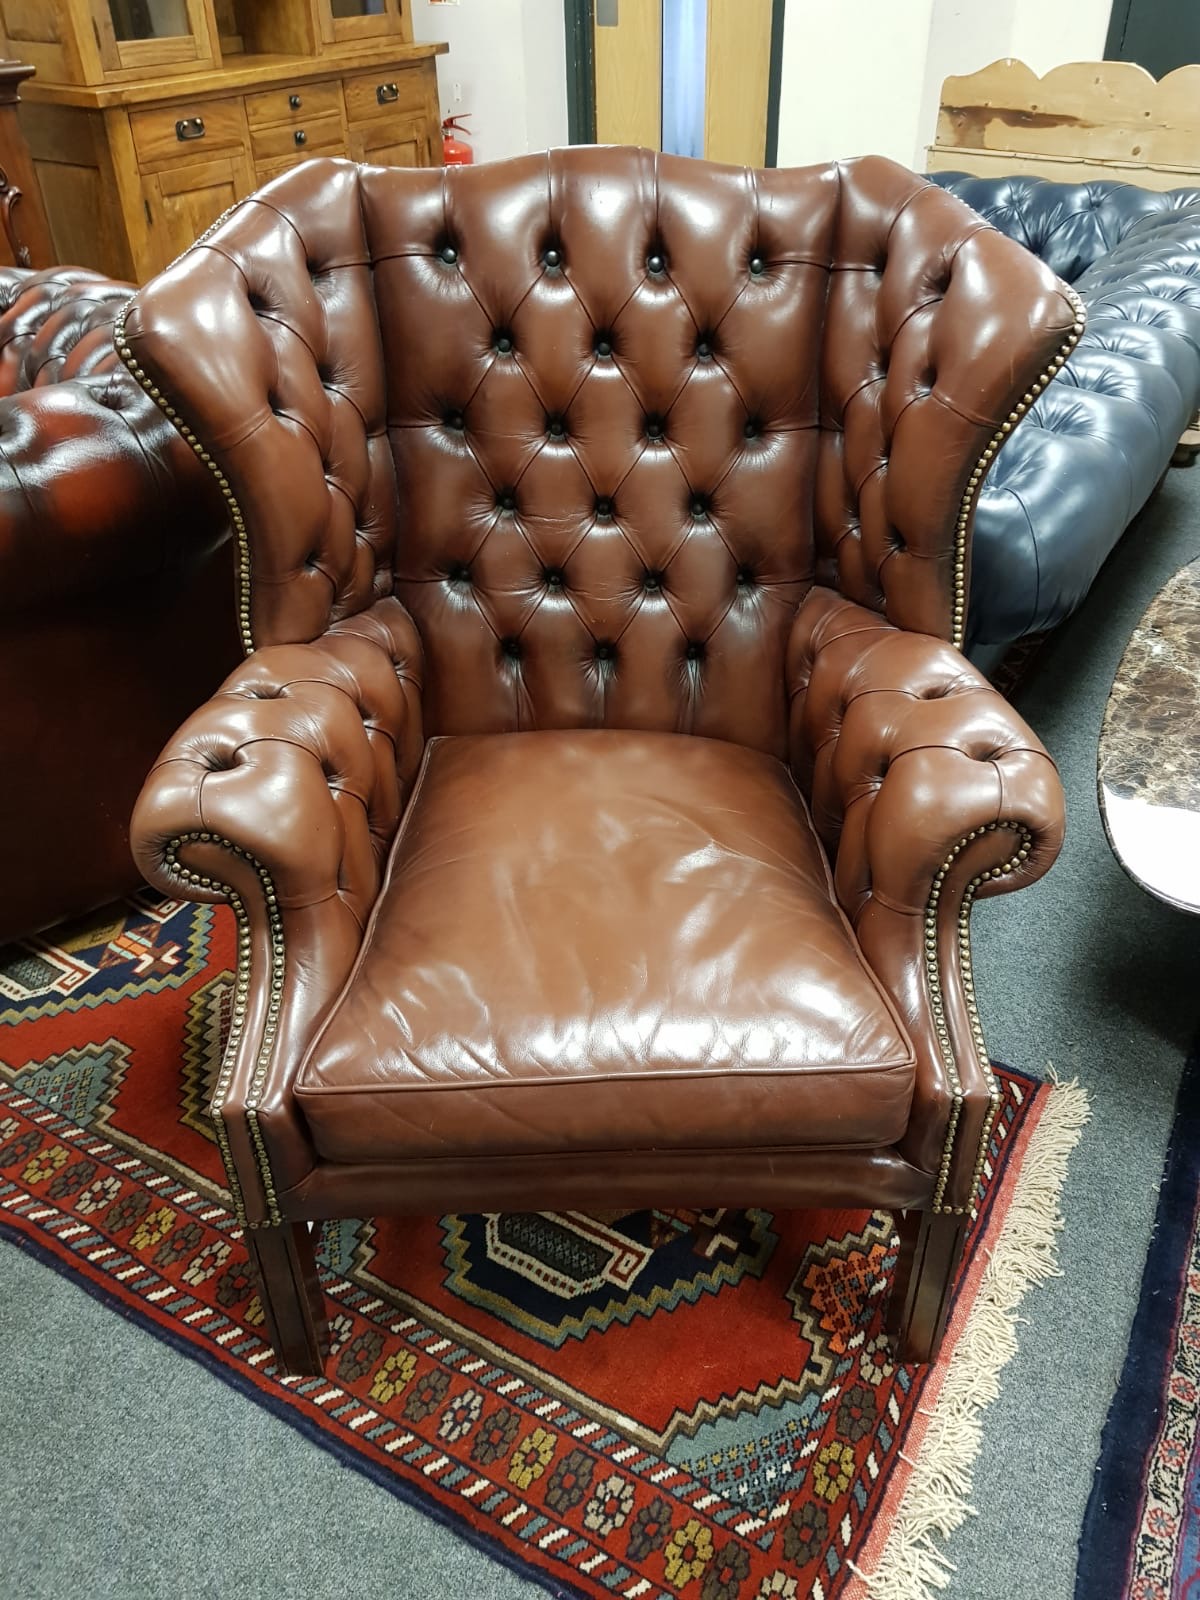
694,651
603,344
656,263
503,341
555,427
511,648
745,577
758,265
652,581
605,651
553,578
699,506
654,428
455,420
448,254
753,428
552,257
604,507
459,573
704,349
506,500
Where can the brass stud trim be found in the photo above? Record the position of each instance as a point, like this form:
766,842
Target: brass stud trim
967,506
938,1006
121,341
188,879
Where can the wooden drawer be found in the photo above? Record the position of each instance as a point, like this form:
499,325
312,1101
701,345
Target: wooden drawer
394,91
319,136
275,106
169,133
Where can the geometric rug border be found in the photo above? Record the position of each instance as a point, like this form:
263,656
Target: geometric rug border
192,1345
1112,1520
27,1235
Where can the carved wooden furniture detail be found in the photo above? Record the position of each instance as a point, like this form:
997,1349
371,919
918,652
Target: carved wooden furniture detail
22,215
1089,119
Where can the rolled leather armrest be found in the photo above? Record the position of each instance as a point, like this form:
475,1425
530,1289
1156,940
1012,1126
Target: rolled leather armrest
282,796
97,491
928,790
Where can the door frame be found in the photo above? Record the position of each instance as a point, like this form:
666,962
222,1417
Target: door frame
581,74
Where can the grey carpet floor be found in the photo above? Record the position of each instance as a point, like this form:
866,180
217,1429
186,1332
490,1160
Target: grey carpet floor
128,1471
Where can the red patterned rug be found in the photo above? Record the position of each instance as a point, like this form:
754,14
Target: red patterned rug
665,1403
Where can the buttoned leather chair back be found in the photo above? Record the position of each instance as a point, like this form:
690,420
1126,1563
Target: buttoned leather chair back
600,440
600,419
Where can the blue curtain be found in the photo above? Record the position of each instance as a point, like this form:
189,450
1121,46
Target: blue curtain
685,34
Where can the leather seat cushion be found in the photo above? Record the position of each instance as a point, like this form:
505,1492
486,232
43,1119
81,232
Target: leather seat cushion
605,940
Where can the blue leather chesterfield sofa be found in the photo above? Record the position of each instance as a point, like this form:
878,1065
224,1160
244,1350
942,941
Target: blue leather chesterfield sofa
1088,454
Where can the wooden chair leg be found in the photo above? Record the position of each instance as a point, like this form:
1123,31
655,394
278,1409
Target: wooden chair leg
931,1247
292,1301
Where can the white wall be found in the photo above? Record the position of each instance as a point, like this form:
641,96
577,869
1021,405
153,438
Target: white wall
1046,33
852,76
866,75
509,57
545,89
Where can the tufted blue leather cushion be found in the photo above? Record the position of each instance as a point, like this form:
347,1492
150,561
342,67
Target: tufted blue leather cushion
1086,457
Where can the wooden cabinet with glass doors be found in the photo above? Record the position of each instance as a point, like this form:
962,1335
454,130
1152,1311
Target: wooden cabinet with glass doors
149,118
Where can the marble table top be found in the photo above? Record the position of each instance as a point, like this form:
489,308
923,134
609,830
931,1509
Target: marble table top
1149,759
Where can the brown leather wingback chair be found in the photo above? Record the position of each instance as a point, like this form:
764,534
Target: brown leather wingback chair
115,574
604,800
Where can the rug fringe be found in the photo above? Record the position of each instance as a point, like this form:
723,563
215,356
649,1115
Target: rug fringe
913,1565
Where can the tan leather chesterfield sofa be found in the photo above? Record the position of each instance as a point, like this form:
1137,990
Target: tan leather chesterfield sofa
604,797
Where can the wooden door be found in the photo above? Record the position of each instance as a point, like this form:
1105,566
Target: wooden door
395,142
737,91
692,76
628,45
1159,35
184,200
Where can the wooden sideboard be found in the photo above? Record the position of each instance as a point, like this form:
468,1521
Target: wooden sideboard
131,173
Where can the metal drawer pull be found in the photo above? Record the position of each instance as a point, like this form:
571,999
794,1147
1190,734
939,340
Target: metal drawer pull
189,128
386,93
294,101
300,136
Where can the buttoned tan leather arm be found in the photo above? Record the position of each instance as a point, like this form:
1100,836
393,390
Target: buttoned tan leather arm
282,796
928,790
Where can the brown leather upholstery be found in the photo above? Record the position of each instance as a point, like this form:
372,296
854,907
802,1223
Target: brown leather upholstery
114,585
605,941
540,470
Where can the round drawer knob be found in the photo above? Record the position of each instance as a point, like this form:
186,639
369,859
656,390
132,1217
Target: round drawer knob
300,136
294,101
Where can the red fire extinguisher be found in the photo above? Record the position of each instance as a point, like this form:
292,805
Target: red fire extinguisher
454,152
